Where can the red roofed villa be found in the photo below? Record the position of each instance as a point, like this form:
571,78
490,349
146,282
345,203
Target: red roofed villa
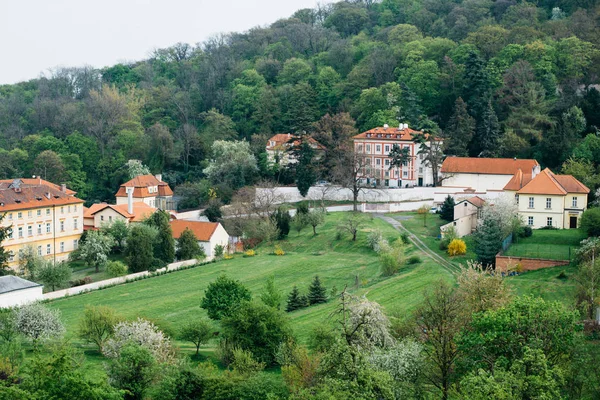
209,234
149,189
279,145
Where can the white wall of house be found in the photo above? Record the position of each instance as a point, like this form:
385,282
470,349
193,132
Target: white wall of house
219,237
463,226
20,297
151,201
107,216
538,210
479,182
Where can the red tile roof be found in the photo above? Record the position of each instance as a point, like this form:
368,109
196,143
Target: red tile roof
546,182
141,184
141,210
518,180
202,230
389,133
281,141
492,166
20,194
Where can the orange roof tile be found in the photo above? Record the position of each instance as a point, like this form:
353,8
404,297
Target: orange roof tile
20,194
141,184
141,210
546,182
389,133
202,230
493,166
518,180
281,141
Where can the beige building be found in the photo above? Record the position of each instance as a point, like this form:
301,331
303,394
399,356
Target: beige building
209,234
547,199
99,215
45,216
466,214
149,189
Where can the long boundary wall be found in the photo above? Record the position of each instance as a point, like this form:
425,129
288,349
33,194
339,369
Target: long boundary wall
504,263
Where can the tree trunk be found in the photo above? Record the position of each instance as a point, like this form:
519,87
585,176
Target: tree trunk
354,236
355,198
314,230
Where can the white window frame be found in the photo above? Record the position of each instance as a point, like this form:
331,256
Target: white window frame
62,247
549,221
531,202
48,249
530,221
574,202
48,228
548,203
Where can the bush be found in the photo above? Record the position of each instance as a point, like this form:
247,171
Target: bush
250,243
405,238
98,324
525,231
449,235
457,247
81,282
278,251
244,363
249,253
219,251
373,239
227,257
414,260
392,258
116,268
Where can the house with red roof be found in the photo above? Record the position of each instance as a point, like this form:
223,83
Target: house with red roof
149,189
466,214
104,214
374,147
209,234
485,174
548,199
279,146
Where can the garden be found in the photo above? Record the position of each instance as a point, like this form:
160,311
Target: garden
552,244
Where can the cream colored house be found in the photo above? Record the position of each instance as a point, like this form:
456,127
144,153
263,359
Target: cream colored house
484,174
547,199
148,189
209,234
103,214
466,214
42,215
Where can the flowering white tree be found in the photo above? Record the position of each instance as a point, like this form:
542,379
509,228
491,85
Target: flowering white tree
136,168
503,210
94,251
38,323
404,362
141,332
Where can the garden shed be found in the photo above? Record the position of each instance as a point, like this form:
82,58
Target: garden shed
15,291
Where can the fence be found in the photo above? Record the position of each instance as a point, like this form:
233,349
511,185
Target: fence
507,242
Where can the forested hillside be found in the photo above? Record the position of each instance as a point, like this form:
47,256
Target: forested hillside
500,78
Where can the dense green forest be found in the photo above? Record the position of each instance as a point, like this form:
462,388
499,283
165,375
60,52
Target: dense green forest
498,78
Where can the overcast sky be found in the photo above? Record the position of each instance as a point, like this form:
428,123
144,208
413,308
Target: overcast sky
36,35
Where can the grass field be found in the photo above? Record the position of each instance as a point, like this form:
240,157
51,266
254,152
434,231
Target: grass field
549,244
172,299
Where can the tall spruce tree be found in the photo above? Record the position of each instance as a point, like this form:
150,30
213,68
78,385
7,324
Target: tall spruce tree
488,241
459,130
164,248
487,135
317,293
306,173
295,300
188,247
447,209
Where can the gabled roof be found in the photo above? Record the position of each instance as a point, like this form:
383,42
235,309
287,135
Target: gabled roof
518,180
389,133
141,184
492,166
281,141
11,283
202,230
19,194
546,182
475,200
141,210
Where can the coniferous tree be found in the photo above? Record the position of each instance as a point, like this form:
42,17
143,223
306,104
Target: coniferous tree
459,130
306,174
283,220
487,136
447,209
488,241
317,293
164,248
188,247
295,300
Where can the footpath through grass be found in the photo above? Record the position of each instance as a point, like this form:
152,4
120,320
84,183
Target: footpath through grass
171,300
552,244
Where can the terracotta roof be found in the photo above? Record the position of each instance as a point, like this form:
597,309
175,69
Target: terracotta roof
141,210
202,230
518,180
141,184
493,166
19,194
389,133
546,182
475,200
281,141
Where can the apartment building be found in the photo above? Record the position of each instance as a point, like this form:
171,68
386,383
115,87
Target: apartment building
41,214
375,146
149,189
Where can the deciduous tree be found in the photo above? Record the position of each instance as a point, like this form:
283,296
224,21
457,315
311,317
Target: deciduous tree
223,296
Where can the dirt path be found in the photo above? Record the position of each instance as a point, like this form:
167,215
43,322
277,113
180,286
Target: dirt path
420,244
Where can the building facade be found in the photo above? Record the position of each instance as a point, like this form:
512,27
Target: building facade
149,189
375,145
278,148
209,234
43,216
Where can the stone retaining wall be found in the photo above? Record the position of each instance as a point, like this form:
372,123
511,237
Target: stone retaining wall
503,263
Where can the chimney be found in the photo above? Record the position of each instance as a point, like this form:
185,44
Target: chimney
159,177
129,190
386,126
63,188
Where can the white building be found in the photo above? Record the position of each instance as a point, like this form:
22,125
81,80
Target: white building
484,174
375,145
466,214
209,234
149,189
15,291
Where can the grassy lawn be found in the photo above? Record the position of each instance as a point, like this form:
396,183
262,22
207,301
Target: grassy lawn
554,284
171,300
550,244
430,234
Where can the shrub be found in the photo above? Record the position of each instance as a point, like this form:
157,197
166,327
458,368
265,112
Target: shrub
414,260
116,268
219,250
143,333
525,231
38,322
392,258
227,257
405,238
449,236
278,251
97,324
222,296
373,238
81,282
244,363
249,253
457,247
250,243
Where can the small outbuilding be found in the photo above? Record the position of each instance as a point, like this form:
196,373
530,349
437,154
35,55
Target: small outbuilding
15,291
209,234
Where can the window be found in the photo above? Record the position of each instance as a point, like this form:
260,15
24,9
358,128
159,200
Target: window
10,233
378,148
75,208
517,198
548,203
102,218
75,244
387,148
47,211
405,174
10,216
20,232
29,214
62,247
19,215
20,253
377,161
530,221
420,170
62,226
62,210
48,249
39,229
531,202
465,203
368,148
39,250
110,218
75,223
360,148
549,221
39,213
11,256
29,230
48,228
387,162
68,209
387,174
574,201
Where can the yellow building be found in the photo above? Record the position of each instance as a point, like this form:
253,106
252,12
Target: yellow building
547,199
43,215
